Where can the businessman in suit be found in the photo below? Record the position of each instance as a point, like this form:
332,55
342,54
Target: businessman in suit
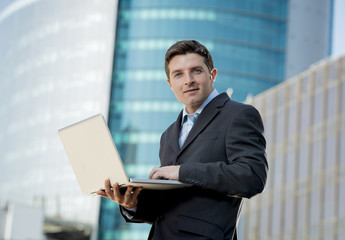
215,144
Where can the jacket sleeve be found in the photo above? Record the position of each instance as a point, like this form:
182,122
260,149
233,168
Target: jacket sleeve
244,172
148,209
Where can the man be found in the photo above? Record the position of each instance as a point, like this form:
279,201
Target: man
216,144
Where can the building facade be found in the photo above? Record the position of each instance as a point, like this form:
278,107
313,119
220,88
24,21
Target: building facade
304,121
309,34
55,66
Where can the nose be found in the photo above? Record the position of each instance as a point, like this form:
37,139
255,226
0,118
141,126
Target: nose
189,79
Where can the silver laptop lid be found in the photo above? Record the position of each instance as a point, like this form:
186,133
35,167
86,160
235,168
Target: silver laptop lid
93,154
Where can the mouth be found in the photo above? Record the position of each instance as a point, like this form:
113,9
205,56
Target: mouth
191,90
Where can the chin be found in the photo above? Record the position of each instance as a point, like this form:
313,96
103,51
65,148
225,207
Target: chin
195,104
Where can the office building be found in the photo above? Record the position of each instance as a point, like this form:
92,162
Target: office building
55,66
309,34
304,119
15,219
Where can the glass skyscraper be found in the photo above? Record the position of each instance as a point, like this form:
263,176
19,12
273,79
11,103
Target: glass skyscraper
246,40
55,66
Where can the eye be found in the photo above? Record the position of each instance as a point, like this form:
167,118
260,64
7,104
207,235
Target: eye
176,75
197,70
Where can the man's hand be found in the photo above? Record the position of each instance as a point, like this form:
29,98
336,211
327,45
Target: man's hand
129,199
168,172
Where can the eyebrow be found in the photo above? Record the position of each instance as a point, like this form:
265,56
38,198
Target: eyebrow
194,67
197,67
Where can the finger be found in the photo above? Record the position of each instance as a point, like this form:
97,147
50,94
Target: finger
117,193
128,193
107,187
153,172
158,174
102,193
132,199
136,192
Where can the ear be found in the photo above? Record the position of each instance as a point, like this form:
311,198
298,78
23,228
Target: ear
169,82
213,74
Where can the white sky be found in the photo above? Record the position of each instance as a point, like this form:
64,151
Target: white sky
338,45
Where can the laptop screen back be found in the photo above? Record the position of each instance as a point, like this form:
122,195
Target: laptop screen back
93,154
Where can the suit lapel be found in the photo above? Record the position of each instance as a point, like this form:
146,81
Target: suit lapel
199,125
206,116
176,134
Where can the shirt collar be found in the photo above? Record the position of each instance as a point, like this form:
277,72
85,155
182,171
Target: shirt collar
212,95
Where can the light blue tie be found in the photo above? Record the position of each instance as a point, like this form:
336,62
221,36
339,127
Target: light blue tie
188,122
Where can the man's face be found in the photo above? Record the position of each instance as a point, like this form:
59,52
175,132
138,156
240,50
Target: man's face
190,80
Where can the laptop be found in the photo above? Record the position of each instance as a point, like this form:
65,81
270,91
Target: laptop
94,158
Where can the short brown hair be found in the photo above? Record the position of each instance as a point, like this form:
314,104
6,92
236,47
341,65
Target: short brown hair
188,46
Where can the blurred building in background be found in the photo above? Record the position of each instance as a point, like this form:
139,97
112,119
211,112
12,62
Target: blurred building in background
309,34
62,61
20,222
55,69
304,120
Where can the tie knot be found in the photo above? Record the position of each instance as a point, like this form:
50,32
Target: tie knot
193,117
190,117
188,122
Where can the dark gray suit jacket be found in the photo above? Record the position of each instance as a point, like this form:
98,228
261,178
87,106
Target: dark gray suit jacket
224,158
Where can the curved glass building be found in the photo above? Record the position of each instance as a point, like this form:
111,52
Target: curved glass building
246,40
55,66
